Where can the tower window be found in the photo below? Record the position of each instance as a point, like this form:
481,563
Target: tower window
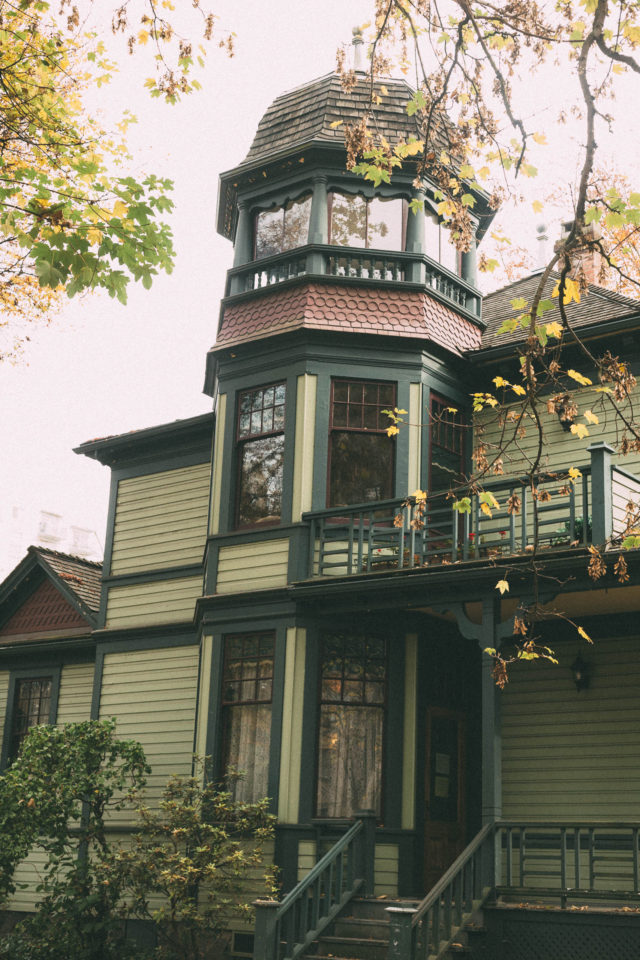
378,223
439,245
283,228
353,677
360,452
247,693
260,438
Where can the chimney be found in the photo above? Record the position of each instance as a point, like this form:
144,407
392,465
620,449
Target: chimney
543,239
586,262
357,50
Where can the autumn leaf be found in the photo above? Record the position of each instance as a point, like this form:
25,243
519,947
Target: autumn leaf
336,123
579,378
590,417
585,636
579,430
502,586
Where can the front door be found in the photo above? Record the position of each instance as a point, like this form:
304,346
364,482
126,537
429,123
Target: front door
445,789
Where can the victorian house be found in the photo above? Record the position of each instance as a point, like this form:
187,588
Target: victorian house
267,600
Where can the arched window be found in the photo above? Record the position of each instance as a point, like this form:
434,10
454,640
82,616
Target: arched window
378,223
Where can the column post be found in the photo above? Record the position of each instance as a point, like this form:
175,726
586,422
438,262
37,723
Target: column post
491,718
318,223
601,492
243,246
415,237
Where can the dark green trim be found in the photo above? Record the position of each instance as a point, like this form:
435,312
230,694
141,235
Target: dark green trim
77,650
214,611
150,576
162,464
298,560
212,556
392,754
108,547
277,706
254,534
307,802
97,685
109,645
214,710
152,442
43,669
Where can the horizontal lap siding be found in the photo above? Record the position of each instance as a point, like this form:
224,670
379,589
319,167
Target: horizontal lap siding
253,566
161,520
624,491
4,693
160,601
29,873
567,754
76,688
386,866
152,694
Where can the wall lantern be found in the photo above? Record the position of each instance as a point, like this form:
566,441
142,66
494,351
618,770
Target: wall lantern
581,671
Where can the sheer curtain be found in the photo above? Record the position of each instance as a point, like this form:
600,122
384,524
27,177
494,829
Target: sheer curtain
248,742
350,759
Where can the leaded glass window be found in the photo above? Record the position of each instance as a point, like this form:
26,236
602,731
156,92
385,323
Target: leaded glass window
247,693
260,436
353,678
32,706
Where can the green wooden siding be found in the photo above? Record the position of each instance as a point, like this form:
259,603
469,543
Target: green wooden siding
74,698
29,873
4,693
253,566
415,419
567,754
152,693
161,520
159,601
386,866
218,475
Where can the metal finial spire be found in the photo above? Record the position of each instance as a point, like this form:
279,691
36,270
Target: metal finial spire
357,50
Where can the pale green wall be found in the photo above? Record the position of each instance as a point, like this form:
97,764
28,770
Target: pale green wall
76,688
292,716
158,601
304,446
219,474
415,419
252,566
161,520
567,754
152,693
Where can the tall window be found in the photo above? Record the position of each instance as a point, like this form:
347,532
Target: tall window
283,228
260,438
358,222
246,702
447,444
31,706
351,729
361,453
439,245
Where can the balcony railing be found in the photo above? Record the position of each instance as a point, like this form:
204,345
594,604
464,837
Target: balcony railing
503,518
355,263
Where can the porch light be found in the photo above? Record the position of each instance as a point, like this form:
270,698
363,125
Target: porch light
581,671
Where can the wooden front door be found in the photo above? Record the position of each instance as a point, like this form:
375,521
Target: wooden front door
445,790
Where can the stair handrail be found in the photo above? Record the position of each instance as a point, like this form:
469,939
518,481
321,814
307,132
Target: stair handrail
468,881
302,915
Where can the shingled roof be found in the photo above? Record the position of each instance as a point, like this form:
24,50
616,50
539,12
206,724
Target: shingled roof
305,115
82,577
599,306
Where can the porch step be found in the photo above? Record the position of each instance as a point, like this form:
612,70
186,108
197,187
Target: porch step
351,948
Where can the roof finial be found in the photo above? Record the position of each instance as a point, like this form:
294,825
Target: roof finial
357,50
543,236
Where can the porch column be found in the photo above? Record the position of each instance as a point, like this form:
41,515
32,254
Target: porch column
243,246
468,265
491,718
318,223
415,237
601,492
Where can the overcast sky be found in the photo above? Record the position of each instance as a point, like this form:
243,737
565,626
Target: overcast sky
101,368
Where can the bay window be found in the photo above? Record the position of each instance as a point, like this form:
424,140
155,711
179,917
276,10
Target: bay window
260,440
360,452
247,692
353,677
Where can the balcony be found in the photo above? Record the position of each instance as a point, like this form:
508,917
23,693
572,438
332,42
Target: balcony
503,518
351,263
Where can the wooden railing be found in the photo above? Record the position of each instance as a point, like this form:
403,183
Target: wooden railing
403,534
426,931
576,860
285,929
394,267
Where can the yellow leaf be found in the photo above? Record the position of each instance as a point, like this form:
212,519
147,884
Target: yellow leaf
571,291
579,430
486,509
336,123
540,138
583,633
502,586
584,381
143,37
384,91
419,495
518,389
398,411
554,329
94,235
501,382
392,431
574,473
590,417
120,209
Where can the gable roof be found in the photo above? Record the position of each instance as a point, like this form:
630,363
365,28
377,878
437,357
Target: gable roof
76,580
600,306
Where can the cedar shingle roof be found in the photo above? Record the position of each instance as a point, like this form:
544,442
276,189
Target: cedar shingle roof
396,313
599,306
81,577
306,114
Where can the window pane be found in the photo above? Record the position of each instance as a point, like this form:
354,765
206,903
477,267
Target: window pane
432,235
269,227
385,224
348,220
361,468
296,223
32,707
350,760
261,480
448,251
247,742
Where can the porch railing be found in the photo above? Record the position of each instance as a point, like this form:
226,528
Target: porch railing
577,860
285,929
401,534
426,931
394,267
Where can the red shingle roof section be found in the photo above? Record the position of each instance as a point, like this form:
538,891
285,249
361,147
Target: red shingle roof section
46,609
389,312
81,577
